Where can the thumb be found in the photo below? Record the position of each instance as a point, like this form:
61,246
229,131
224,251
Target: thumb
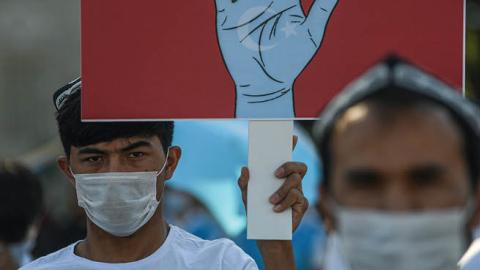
318,17
220,5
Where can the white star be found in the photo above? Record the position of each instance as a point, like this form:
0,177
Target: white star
289,29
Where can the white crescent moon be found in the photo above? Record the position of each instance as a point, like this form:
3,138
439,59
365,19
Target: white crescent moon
242,32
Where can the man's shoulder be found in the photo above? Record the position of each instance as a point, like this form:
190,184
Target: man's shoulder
224,250
471,259
190,241
56,260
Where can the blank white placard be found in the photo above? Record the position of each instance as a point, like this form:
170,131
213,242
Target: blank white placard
270,146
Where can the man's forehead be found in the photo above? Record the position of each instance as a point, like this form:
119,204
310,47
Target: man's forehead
120,143
384,116
356,113
414,134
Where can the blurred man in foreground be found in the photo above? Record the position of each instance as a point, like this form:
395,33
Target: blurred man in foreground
20,214
401,154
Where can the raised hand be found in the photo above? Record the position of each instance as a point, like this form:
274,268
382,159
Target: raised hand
266,44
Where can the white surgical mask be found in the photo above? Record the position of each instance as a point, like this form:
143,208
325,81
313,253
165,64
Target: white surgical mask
119,202
377,240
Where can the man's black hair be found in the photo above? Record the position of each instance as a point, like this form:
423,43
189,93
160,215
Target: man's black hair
21,201
389,102
74,132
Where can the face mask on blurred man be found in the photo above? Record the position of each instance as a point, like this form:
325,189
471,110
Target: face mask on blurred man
378,240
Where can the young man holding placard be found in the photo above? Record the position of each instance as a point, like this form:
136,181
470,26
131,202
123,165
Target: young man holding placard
119,171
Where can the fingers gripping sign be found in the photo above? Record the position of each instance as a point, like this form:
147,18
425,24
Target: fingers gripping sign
289,195
265,45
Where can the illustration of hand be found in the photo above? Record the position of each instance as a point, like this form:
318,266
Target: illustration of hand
266,44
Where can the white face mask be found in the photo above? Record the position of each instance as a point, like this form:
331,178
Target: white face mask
119,202
376,240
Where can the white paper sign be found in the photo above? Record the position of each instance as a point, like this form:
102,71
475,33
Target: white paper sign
270,146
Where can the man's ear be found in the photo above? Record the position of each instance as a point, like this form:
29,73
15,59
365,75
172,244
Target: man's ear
64,165
324,208
173,158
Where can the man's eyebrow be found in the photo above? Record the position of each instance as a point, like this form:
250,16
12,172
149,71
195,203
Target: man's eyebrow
136,145
361,172
428,170
91,150
363,177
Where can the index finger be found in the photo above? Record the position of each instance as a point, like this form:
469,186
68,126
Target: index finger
291,167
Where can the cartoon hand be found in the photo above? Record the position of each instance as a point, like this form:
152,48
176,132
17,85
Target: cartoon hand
266,44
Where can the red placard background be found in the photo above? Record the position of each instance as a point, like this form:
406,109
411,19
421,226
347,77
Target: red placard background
153,59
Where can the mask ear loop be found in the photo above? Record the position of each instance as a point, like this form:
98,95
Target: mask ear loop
164,163
159,172
70,169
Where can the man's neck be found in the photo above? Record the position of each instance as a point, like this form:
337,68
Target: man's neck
100,246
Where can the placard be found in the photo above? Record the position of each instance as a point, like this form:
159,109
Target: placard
253,59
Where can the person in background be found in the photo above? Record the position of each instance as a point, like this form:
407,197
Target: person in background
400,152
189,213
20,214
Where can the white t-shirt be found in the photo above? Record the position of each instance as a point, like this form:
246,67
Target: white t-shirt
471,259
181,250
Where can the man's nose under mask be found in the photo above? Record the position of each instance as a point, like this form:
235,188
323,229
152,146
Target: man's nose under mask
120,203
376,240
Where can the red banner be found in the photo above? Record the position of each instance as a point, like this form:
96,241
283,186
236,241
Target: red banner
153,59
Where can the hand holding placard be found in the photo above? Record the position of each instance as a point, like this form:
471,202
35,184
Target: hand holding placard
289,195
273,183
266,44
